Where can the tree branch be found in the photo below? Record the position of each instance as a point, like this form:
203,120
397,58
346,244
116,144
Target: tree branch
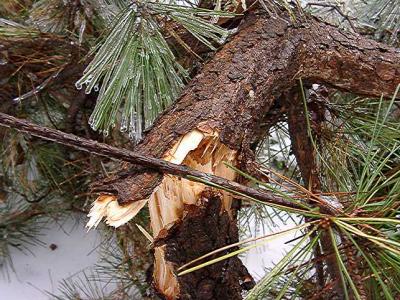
304,152
348,61
135,158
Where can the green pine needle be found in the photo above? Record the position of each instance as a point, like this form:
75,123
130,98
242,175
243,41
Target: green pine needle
137,71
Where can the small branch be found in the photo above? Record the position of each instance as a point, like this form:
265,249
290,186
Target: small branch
40,87
348,62
163,166
337,9
306,157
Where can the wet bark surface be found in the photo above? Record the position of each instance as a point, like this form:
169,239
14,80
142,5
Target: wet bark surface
203,229
304,151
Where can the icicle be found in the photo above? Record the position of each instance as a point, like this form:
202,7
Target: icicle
82,31
78,85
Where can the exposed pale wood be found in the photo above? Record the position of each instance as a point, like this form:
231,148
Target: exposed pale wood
169,202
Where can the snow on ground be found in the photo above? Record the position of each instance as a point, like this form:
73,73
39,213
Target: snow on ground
75,250
269,253
78,249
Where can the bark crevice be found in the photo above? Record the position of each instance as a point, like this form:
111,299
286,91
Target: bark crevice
202,229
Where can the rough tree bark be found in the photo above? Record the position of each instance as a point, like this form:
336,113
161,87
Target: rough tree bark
304,152
218,118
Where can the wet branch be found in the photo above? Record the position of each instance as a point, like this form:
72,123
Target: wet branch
305,154
160,165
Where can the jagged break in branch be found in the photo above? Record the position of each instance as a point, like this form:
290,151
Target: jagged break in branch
132,157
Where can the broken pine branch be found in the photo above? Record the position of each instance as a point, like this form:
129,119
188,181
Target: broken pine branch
150,162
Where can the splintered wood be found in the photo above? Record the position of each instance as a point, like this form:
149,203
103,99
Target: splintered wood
198,149
106,206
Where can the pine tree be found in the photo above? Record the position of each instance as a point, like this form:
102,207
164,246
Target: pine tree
201,118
